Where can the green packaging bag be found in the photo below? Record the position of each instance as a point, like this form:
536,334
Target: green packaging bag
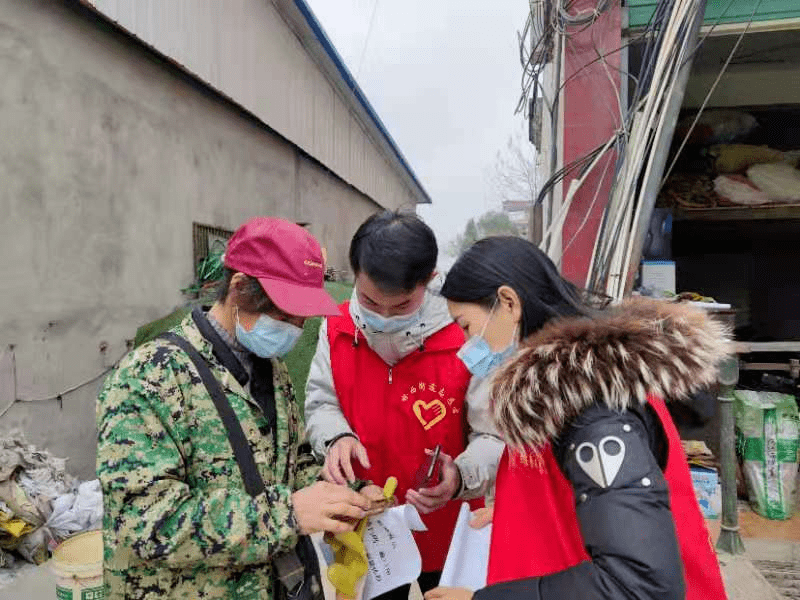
767,435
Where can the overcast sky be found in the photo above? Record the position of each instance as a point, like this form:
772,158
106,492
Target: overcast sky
443,75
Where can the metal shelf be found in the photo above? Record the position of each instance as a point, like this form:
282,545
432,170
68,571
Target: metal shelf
749,347
738,213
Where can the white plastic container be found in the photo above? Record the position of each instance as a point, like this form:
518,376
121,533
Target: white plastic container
78,565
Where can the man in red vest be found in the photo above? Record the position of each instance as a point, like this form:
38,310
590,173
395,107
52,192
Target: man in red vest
386,387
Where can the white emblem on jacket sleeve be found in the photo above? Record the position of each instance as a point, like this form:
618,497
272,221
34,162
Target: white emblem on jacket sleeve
601,464
587,458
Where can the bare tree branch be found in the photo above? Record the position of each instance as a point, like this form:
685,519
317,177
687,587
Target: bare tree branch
514,175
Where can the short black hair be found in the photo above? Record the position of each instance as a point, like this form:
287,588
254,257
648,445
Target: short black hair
395,249
506,260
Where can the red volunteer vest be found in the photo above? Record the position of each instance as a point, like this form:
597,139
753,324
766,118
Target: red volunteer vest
400,411
535,511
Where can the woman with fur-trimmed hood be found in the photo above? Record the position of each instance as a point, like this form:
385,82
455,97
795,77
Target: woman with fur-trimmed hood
594,498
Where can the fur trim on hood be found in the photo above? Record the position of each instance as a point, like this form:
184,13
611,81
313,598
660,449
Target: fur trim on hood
640,348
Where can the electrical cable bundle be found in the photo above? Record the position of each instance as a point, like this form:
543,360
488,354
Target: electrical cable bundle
667,45
564,24
655,106
539,29
570,19
653,120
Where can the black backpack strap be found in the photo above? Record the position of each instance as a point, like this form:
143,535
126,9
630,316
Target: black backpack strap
253,483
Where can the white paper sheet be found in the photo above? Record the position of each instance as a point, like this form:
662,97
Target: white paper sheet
467,560
393,556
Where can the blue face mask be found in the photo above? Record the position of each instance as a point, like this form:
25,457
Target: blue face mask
381,324
478,356
269,338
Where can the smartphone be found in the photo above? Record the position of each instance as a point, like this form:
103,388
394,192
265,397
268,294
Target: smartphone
428,473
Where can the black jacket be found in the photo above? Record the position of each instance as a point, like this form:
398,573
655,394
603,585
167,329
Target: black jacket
582,385
627,526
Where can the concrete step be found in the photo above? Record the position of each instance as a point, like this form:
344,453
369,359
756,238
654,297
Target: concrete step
743,581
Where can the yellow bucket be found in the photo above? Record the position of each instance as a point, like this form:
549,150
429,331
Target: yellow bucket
78,565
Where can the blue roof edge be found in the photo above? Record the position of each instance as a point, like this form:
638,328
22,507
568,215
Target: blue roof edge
333,54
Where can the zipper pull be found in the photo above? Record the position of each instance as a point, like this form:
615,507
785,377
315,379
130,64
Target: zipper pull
390,375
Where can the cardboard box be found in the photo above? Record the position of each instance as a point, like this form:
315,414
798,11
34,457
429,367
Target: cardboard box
708,492
658,275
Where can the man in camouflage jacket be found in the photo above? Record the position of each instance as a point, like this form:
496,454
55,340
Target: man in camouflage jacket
178,520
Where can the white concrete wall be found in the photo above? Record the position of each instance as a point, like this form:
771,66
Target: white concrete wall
107,156
745,85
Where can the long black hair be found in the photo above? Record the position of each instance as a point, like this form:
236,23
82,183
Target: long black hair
504,260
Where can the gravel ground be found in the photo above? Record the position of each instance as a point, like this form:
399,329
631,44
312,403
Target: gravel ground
784,576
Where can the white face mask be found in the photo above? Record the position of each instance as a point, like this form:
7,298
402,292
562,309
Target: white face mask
391,338
380,324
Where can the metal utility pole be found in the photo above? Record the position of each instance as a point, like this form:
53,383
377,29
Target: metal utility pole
729,539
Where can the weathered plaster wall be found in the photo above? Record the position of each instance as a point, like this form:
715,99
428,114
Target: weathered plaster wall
107,157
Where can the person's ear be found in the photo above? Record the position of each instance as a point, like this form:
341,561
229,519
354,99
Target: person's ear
238,281
509,301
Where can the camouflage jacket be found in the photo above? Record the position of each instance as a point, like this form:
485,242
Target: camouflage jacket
178,522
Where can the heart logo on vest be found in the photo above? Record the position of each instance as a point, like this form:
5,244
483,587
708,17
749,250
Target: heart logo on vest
429,413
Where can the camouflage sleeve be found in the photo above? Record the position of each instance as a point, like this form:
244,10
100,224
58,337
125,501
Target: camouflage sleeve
308,468
149,505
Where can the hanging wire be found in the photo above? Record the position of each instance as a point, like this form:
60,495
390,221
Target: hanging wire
543,29
60,396
658,73
540,30
577,164
712,27
623,230
583,18
587,214
621,122
565,24
711,92
652,40
366,38
568,169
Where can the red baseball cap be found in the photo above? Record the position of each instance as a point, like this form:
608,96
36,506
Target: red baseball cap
287,261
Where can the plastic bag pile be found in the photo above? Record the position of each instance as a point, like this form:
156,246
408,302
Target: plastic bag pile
40,503
725,165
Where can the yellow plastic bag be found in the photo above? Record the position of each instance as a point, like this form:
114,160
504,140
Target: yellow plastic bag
350,556
18,515
16,527
15,498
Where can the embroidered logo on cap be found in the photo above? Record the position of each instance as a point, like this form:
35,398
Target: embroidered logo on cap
311,263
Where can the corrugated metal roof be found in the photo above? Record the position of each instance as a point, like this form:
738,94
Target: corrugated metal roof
273,59
722,11
347,77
